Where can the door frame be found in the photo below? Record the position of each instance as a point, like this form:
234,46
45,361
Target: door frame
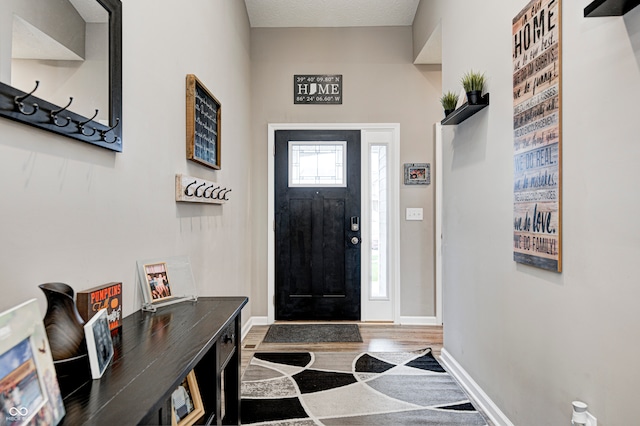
368,137
438,216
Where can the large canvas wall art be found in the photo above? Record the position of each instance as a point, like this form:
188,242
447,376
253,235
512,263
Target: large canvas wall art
537,143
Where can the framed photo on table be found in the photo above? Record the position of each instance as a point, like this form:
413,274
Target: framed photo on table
157,281
204,115
29,391
186,402
99,343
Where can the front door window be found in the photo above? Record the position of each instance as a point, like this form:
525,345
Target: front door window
320,164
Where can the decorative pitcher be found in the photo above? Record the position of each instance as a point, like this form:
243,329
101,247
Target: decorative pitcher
63,323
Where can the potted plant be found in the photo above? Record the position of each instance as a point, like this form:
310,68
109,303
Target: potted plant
449,101
473,83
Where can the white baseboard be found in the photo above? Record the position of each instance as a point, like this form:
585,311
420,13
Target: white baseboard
477,394
250,323
419,321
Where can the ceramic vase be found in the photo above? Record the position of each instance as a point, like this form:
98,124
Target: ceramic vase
63,323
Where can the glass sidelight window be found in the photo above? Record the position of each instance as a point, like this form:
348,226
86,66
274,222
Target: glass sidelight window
379,214
319,164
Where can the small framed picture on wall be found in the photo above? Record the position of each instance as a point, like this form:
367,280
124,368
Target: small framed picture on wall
417,173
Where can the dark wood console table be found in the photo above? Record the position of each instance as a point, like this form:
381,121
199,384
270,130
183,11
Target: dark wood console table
154,352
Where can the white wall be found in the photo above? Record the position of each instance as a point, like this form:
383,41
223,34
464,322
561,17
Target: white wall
536,340
83,215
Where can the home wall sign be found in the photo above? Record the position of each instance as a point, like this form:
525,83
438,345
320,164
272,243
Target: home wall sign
317,89
204,115
537,124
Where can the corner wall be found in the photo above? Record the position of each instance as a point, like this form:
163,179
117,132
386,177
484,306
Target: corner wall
536,340
79,214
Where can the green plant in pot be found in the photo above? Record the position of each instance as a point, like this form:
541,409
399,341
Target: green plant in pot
473,83
449,101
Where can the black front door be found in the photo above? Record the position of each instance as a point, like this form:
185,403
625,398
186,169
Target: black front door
317,229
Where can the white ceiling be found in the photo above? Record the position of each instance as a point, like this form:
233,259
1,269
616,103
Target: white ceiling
91,11
29,42
331,13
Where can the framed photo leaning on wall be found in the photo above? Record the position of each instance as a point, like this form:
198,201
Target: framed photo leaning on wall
158,281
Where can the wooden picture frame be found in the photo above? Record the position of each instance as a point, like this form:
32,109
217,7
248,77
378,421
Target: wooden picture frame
417,173
204,119
157,281
186,402
99,343
27,372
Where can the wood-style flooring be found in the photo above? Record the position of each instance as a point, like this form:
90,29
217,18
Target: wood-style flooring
376,338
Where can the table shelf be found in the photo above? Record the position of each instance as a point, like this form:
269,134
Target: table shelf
153,353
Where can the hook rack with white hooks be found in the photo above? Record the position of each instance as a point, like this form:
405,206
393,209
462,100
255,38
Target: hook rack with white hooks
195,190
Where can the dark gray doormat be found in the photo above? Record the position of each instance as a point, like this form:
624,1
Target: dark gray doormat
311,333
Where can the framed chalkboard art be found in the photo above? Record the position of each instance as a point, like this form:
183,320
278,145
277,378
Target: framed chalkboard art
203,124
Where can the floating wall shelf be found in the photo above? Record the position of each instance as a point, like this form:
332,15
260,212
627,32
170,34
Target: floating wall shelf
465,111
609,8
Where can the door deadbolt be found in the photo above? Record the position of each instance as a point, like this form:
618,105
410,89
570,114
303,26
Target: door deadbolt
355,240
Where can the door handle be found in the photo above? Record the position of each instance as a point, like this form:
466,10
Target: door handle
355,223
355,241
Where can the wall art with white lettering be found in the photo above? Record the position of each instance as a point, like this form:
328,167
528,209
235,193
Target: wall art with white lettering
317,89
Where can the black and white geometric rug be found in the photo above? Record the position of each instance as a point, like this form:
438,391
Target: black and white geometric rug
346,388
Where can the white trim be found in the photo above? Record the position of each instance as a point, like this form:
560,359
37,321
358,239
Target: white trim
419,321
488,407
437,236
250,323
394,208
382,309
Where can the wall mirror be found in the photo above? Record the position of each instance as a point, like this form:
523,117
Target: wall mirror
61,67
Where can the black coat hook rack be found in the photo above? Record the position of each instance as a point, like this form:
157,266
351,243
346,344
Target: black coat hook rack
29,109
195,190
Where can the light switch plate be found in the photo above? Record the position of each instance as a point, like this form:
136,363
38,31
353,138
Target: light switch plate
414,213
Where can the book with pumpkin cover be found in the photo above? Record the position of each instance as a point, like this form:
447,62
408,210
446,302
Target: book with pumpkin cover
107,296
